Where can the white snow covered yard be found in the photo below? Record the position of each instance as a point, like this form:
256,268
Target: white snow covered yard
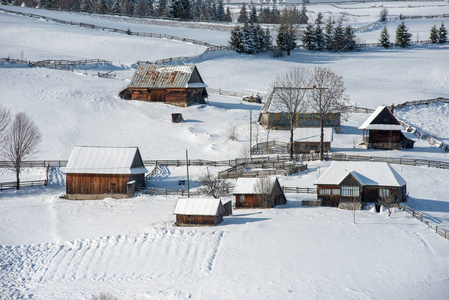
52,248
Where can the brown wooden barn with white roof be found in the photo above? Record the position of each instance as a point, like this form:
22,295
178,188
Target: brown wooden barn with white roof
103,172
262,192
180,85
198,211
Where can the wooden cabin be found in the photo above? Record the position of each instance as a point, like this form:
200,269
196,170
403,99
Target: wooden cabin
179,85
227,206
198,212
383,131
272,116
353,184
102,172
307,139
262,192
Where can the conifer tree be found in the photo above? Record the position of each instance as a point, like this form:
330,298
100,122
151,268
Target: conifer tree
102,7
384,39
228,17
286,38
349,43
319,19
115,9
303,19
434,34
86,6
403,37
318,38
442,34
338,41
328,34
243,15
220,14
307,39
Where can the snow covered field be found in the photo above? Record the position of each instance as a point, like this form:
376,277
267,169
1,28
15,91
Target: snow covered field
51,248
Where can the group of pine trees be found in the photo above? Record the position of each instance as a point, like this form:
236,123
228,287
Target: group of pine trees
250,38
273,15
403,37
331,36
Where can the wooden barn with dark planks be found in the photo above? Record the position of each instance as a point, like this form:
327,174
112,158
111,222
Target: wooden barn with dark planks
351,185
198,212
307,139
264,192
179,85
383,131
103,172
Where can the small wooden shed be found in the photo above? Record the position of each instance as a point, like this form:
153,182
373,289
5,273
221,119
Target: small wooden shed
179,85
227,206
353,184
101,172
383,131
198,212
308,139
262,192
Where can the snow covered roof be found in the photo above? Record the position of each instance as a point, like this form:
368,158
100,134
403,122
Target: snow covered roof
367,173
312,134
166,76
199,207
369,123
249,185
105,160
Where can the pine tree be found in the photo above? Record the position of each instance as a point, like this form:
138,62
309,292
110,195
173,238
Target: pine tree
180,9
86,6
115,7
384,39
319,19
102,7
328,34
434,34
403,37
442,34
243,15
228,17
253,15
307,38
349,39
220,11
338,41
318,38
236,41
303,19
286,38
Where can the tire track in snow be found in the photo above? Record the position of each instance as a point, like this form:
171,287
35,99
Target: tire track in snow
162,254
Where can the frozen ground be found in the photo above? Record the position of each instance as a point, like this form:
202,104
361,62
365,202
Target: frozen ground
51,248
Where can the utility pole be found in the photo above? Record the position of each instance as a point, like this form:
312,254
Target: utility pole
250,131
187,164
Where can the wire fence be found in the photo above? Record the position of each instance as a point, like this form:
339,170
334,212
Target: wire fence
420,216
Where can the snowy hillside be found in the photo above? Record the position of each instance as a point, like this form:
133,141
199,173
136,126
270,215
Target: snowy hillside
51,248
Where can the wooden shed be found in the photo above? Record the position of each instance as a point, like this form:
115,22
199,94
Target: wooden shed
198,212
227,206
180,85
383,131
307,139
262,192
353,184
101,172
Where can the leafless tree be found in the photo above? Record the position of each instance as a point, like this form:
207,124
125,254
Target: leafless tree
327,96
290,94
21,141
213,186
231,132
5,118
389,201
263,189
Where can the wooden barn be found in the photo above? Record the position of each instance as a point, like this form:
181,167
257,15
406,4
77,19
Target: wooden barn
307,139
172,84
353,184
198,212
227,206
272,116
262,192
383,131
102,172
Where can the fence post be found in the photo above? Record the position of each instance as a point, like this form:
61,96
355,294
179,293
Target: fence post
436,229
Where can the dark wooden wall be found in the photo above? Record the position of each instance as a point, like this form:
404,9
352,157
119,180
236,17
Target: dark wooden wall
198,220
306,147
100,183
250,201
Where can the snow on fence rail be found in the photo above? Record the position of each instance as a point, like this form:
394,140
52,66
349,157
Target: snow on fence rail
419,215
13,184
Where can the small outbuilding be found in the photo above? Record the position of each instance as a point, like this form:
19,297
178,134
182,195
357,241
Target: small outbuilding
383,131
102,172
307,139
198,212
227,206
179,85
264,192
353,184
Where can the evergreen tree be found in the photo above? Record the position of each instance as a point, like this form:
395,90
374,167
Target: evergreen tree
236,41
228,17
102,7
328,34
141,8
196,10
250,38
442,34
385,38
434,34
115,7
319,19
349,44
338,41
303,19
318,38
243,15
180,9
307,38
253,15
86,6
220,11
161,8
286,38
403,37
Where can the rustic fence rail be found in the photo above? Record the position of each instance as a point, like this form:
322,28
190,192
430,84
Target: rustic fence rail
298,190
167,192
30,183
420,216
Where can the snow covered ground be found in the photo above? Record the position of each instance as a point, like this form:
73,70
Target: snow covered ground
51,248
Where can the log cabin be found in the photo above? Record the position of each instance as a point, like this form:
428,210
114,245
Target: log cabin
198,212
353,184
262,192
383,131
179,85
307,139
103,172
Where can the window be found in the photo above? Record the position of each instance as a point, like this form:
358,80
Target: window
335,191
350,191
277,116
384,192
324,191
330,117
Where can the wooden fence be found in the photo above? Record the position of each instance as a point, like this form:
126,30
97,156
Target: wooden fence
166,192
419,215
227,93
13,184
299,190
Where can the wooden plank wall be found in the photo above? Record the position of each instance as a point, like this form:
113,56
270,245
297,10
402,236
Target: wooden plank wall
96,183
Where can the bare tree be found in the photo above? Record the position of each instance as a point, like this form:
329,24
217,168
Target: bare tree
388,200
290,92
231,132
327,96
213,186
5,118
21,141
263,189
